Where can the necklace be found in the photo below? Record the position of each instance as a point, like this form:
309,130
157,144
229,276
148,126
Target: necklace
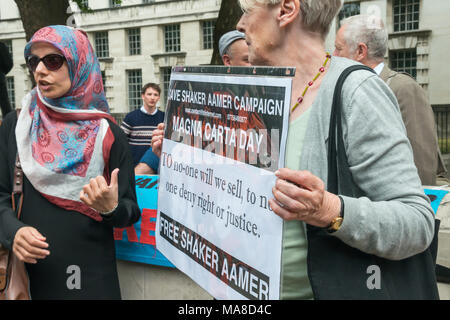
321,70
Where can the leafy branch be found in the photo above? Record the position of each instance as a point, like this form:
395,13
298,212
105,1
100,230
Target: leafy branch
83,7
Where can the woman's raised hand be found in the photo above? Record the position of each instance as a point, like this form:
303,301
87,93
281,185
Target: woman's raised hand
99,195
157,139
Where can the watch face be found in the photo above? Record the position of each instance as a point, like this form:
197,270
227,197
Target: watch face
337,223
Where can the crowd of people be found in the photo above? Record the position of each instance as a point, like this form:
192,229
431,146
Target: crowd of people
79,166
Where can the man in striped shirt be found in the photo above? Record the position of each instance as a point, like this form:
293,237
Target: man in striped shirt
139,124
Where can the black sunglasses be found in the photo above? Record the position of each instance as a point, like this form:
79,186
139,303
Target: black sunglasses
51,61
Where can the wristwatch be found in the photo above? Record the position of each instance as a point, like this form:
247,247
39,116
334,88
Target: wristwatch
336,223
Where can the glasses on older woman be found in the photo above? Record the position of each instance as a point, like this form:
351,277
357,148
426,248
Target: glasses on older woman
51,61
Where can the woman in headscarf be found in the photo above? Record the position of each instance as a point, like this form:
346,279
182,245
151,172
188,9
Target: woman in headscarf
78,173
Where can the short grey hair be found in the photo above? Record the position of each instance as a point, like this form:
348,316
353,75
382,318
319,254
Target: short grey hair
228,52
317,14
369,30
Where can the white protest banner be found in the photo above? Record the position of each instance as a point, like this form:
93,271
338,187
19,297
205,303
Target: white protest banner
223,143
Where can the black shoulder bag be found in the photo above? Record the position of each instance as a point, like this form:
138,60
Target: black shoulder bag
338,271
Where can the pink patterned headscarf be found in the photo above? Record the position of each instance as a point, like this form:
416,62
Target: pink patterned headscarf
64,142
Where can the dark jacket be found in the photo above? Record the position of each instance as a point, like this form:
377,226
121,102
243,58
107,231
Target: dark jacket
6,64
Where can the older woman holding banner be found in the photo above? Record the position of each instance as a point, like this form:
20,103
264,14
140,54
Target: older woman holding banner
371,251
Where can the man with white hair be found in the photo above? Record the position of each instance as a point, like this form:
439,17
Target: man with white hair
233,49
364,39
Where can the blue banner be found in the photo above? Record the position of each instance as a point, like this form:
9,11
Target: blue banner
137,242
436,196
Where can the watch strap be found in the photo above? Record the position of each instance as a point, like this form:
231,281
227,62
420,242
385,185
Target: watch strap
332,228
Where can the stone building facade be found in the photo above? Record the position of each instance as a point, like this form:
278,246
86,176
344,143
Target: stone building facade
136,42
139,41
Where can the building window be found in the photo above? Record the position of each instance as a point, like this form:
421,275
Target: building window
102,44
134,41
442,118
406,15
348,10
104,81
148,1
115,3
134,88
172,38
208,34
404,61
11,90
166,81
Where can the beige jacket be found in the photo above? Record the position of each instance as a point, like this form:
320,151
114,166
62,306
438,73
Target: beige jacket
419,121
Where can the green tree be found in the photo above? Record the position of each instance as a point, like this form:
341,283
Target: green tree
36,14
229,15
85,8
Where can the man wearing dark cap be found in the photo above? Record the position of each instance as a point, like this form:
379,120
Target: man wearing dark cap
233,49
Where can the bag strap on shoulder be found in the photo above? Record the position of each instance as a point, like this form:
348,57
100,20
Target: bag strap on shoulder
337,158
17,183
